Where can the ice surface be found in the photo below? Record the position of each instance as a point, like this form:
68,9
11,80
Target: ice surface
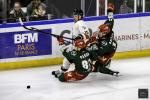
135,74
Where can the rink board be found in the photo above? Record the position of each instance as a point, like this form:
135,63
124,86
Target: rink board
57,61
132,32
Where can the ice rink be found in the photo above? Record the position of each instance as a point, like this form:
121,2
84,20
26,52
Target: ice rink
135,74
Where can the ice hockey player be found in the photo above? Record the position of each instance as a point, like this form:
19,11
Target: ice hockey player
81,59
105,44
107,30
80,29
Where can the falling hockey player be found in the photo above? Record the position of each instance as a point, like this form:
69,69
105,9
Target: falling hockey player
81,59
103,41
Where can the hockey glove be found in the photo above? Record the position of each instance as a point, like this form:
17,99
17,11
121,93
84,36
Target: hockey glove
60,40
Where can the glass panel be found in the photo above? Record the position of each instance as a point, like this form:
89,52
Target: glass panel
0,6
62,8
123,6
101,7
139,5
147,5
90,8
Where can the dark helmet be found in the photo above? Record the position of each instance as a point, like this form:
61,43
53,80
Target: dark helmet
81,12
104,28
78,12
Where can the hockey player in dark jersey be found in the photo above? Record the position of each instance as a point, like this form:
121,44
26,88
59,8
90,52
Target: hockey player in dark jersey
108,35
81,59
105,44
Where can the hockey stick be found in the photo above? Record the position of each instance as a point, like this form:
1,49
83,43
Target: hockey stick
37,30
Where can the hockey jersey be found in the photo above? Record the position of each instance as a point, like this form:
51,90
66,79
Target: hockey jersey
82,59
80,28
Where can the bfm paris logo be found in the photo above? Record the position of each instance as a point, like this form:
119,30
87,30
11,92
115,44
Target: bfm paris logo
25,38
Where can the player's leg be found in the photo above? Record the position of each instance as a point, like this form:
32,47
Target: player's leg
67,61
106,59
107,65
109,51
65,66
103,64
71,76
103,69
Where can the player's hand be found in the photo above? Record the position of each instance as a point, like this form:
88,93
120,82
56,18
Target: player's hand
110,10
60,40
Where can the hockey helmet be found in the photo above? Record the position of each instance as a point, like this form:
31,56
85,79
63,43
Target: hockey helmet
78,12
79,43
104,28
81,12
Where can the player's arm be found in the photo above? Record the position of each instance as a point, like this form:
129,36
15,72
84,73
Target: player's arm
110,23
65,49
110,11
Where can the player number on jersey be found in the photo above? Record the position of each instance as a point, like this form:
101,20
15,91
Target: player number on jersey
85,64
